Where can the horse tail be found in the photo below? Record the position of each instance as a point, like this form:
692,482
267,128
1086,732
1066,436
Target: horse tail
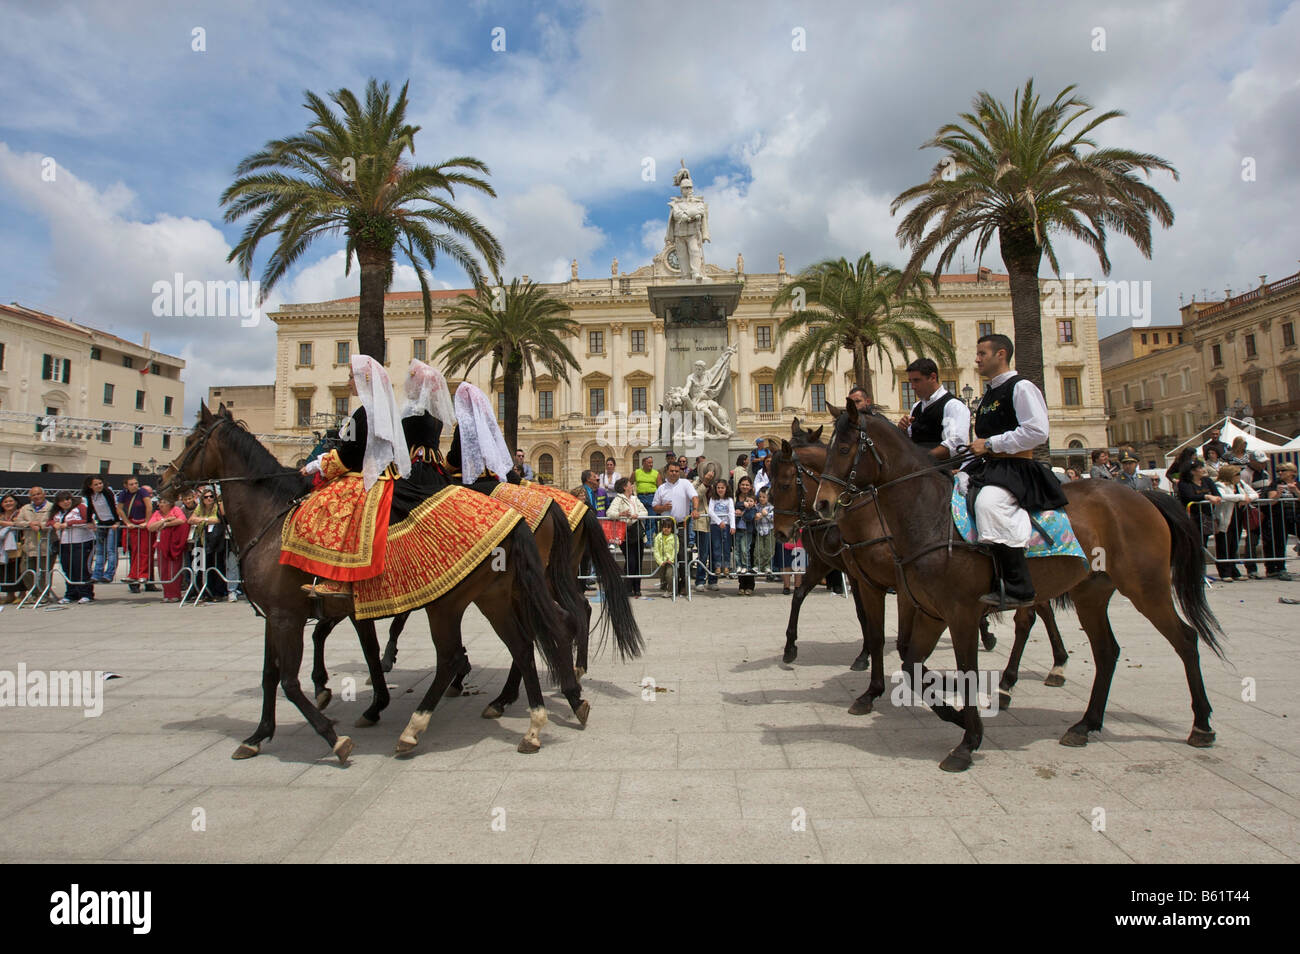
532,599
559,568
627,634
1188,565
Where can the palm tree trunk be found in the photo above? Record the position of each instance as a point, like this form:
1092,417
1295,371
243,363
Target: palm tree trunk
1022,257
861,373
510,383
370,323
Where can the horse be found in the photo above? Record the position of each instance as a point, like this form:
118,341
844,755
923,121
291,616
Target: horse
798,467
260,493
888,497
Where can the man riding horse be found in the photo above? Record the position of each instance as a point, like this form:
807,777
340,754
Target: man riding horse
1005,482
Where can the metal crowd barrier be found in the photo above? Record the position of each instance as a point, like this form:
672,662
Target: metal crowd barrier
116,545
1265,544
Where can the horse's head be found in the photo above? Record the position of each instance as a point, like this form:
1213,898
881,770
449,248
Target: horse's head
200,456
794,472
853,461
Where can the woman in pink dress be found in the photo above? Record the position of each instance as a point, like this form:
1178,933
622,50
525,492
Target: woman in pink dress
172,528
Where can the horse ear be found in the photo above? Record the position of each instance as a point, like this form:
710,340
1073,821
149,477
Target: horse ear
817,434
205,416
849,407
222,410
786,449
795,429
833,411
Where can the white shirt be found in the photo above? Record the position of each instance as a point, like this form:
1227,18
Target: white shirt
679,494
1031,412
722,513
607,481
956,420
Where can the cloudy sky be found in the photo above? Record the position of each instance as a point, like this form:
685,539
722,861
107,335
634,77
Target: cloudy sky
800,122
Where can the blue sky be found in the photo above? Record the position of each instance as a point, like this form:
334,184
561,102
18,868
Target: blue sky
797,151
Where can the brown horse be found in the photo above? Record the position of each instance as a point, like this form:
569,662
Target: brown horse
259,493
796,468
888,497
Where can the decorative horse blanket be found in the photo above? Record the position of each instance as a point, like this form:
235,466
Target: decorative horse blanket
527,500
1054,523
573,507
339,532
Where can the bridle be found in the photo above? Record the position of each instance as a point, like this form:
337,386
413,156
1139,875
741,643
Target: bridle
805,518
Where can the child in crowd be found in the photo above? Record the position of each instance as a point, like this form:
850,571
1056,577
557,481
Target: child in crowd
722,528
665,553
764,538
76,544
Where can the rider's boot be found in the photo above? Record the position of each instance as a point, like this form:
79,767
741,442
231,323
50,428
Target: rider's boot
1016,588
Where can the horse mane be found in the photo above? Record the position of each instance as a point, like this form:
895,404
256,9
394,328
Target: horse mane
916,454
261,463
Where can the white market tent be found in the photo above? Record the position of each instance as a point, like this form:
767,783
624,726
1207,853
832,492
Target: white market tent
1282,449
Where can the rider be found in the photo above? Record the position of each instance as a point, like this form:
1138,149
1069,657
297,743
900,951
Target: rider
426,411
1006,482
939,422
478,448
340,532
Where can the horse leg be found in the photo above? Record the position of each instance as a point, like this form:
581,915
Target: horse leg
1091,598
870,601
320,677
583,635
965,633
815,573
270,680
509,693
864,658
369,640
1024,623
461,668
1157,606
923,638
390,649
986,635
290,661
520,645
1055,678
451,659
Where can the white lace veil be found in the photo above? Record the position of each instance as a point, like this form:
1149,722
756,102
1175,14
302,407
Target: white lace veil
482,446
426,390
385,442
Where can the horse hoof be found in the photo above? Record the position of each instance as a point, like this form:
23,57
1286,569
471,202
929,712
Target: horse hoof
405,746
1054,680
529,746
388,665
1200,739
246,751
956,761
583,712
1004,699
861,664
989,642
323,698
579,672
790,655
364,722
343,748
454,691
1074,739
861,706
492,712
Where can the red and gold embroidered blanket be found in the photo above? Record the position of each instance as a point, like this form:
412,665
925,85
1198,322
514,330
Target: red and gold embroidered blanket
340,531
573,507
527,500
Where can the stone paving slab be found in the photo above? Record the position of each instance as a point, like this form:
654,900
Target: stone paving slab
740,758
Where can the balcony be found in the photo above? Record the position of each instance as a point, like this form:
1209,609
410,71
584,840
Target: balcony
1144,404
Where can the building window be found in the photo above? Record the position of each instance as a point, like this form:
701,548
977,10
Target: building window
342,352
951,388
385,361
55,369
1250,346
906,395
419,347
595,402
545,469
595,342
1180,337
2,356
597,462
945,329
106,435
96,354
766,399
340,407
128,361
1065,332
1256,392
304,412
639,399
763,337
545,405
1144,338
1293,386
1216,355
983,329
103,467
304,354
108,394
1187,380
167,442
636,338
1288,339
1070,391
1169,337
1220,400
1127,399
137,438
501,405
155,368
167,404
1146,429
139,400
818,397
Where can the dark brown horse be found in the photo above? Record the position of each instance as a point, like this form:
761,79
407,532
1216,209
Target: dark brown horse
259,493
887,497
796,467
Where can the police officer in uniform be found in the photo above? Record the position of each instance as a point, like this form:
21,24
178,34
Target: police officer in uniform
939,422
1005,481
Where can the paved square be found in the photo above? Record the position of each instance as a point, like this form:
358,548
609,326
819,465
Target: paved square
738,759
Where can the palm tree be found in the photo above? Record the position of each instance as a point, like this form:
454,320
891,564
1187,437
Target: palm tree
349,173
1023,174
864,307
519,327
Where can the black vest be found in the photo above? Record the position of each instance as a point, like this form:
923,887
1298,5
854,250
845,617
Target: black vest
927,425
997,412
